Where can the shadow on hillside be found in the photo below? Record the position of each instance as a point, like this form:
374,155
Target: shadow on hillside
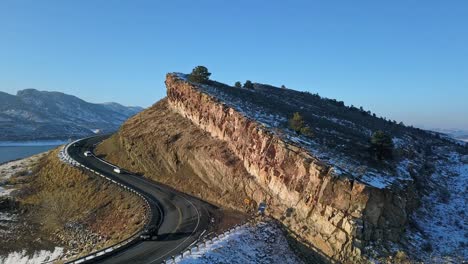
306,251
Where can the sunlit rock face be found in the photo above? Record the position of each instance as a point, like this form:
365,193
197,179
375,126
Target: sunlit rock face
336,214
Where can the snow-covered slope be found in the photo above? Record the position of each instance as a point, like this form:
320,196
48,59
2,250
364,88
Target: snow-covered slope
33,114
442,218
42,256
256,243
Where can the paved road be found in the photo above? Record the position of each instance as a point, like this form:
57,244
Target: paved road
181,218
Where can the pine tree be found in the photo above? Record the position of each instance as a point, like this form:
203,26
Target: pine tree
248,84
238,85
200,74
382,144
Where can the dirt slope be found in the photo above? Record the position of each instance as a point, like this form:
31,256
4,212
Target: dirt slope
168,148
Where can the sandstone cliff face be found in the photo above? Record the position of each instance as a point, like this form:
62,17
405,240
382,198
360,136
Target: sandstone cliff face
337,215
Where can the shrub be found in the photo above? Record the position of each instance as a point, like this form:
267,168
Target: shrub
381,144
238,84
296,122
200,74
427,247
401,257
283,87
248,84
444,195
306,131
21,173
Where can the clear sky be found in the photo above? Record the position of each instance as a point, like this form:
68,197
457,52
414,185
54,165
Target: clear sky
406,60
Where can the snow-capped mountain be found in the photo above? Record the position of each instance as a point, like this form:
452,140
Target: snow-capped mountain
34,115
458,134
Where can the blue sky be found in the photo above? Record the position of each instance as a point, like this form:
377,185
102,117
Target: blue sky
406,60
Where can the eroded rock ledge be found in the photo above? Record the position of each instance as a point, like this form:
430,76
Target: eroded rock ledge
338,215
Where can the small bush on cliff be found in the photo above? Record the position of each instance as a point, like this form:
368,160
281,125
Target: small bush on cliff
381,145
296,123
200,74
238,85
248,84
306,131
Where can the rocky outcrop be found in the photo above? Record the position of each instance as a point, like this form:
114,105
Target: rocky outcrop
337,215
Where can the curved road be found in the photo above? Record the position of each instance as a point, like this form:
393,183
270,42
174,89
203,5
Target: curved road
181,219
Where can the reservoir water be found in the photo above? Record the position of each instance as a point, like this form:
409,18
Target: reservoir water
18,150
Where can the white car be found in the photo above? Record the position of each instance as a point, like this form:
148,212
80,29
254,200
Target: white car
117,170
88,153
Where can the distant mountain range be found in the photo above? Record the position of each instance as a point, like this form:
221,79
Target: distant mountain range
41,115
458,134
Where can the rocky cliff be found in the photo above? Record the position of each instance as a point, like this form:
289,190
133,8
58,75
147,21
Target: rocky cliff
336,214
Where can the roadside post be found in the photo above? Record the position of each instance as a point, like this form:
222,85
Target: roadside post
261,208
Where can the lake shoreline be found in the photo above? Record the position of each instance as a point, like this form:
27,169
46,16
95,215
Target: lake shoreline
31,143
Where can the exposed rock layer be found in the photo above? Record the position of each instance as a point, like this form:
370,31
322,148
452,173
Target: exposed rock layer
337,215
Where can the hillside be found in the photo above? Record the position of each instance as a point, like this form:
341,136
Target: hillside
51,206
167,148
39,115
340,134
232,146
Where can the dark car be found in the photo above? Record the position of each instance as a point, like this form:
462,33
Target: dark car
149,233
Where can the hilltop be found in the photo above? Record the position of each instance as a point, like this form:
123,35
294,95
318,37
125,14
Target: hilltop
41,115
340,135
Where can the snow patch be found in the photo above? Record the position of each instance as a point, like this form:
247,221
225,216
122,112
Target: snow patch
5,192
258,243
6,217
37,257
442,218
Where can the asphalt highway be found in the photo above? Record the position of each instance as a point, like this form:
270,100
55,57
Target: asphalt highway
178,218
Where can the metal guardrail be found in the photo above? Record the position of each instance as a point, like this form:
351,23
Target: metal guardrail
63,155
197,245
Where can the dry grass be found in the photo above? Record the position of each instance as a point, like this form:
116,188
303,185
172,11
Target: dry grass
59,196
168,148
